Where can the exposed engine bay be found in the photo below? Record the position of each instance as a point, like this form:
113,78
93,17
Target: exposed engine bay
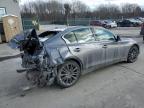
35,60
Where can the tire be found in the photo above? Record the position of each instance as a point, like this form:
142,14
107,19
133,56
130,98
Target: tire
131,25
118,25
109,26
133,54
68,74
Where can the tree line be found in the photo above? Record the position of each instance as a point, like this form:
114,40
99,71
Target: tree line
54,10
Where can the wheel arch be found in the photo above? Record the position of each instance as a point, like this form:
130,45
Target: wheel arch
133,60
77,60
136,46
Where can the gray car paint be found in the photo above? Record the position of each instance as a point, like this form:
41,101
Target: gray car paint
91,55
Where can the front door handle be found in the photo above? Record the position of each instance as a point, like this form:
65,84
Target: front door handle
77,50
104,46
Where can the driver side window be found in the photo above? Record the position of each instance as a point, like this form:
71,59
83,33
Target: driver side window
103,35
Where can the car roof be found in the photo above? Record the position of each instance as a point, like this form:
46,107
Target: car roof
59,29
69,28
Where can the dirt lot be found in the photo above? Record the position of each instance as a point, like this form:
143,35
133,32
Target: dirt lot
117,86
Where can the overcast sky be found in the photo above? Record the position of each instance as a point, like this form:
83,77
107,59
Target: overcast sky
93,3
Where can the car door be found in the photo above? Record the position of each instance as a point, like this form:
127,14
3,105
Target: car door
86,48
110,45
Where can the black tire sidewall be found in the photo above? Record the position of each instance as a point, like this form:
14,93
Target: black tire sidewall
58,80
129,60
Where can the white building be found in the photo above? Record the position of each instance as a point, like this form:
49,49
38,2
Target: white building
10,7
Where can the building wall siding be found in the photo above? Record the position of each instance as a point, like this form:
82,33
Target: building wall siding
11,8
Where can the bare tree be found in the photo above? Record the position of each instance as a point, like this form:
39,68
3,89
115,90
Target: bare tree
67,11
131,10
54,11
79,9
107,11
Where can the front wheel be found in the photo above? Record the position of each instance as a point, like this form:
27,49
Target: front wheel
68,74
133,54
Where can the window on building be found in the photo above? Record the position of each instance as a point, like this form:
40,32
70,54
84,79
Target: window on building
2,12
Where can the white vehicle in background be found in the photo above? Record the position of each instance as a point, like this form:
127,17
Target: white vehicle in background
110,24
140,18
138,21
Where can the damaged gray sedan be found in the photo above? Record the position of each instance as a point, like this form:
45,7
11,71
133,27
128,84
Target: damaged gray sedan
63,55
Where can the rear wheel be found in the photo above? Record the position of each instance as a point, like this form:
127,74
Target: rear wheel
68,74
133,54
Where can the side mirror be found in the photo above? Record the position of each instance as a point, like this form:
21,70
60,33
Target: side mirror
118,38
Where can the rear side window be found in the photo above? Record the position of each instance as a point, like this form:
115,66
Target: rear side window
84,35
70,38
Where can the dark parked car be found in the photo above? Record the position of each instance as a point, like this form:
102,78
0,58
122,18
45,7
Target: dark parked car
98,23
63,55
129,23
142,31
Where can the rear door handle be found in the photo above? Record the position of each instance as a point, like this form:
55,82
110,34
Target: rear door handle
77,50
104,46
